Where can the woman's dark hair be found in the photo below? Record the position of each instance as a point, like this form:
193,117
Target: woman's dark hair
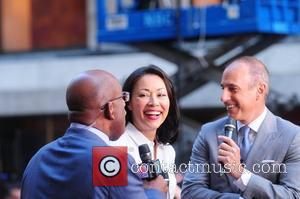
169,129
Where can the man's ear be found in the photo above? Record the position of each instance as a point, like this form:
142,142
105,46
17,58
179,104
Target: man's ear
261,89
109,114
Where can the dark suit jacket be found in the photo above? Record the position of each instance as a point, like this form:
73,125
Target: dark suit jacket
274,161
63,169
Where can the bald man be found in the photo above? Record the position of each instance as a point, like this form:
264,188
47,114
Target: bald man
63,168
261,160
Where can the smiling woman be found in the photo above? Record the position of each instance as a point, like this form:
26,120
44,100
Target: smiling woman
152,117
149,105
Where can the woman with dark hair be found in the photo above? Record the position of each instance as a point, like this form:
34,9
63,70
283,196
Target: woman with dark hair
152,118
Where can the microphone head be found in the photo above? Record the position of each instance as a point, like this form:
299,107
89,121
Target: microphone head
230,124
229,127
145,153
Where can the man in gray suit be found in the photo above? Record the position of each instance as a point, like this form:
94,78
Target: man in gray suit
262,160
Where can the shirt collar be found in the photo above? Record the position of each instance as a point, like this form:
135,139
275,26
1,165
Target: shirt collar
99,133
255,124
138,137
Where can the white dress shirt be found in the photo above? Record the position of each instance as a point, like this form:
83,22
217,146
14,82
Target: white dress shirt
132,138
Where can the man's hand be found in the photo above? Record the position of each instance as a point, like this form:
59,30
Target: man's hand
158,183
229,155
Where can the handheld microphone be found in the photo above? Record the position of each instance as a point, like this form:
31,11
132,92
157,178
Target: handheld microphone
229,127
150,168
147,168
145,153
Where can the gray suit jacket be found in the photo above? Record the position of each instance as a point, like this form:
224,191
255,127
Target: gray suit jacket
274,161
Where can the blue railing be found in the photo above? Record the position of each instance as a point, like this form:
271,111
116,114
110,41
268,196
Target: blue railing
266,16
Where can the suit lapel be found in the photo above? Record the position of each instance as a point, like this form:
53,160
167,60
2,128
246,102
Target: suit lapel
264,139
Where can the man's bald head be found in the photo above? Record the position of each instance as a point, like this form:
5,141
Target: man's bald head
256,69
87,92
